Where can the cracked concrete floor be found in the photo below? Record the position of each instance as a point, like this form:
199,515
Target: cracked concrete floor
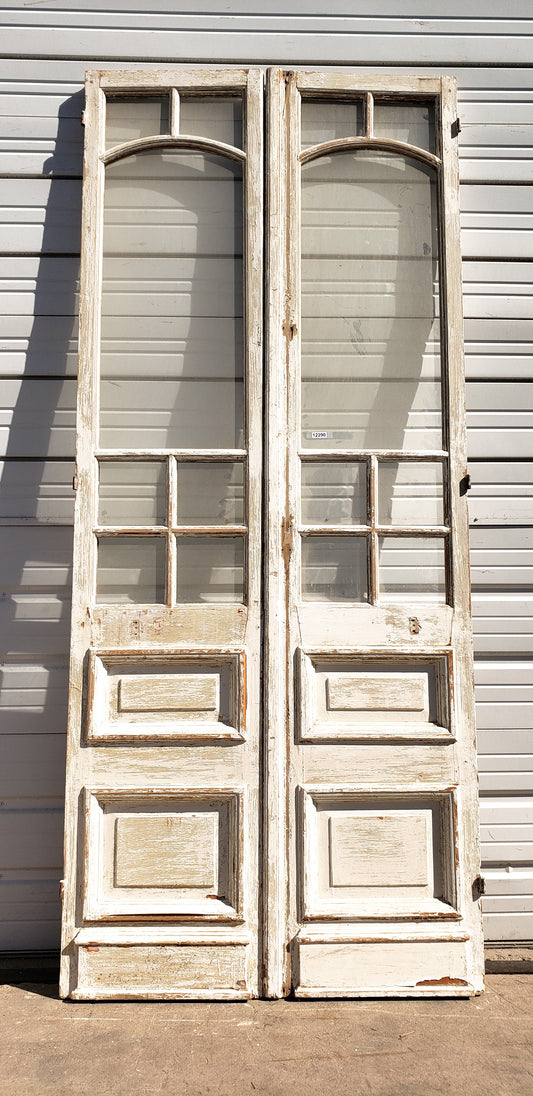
269,1048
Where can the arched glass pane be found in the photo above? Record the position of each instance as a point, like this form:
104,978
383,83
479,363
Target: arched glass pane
370,303
172,346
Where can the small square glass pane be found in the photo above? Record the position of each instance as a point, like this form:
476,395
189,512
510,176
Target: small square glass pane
412,566
210,493
132,493
333,493
131,570
210,569
215,117
129,118
410,493
330,120
334,569
412,122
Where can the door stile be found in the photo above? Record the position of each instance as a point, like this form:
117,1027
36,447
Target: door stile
462,634
253,304
85,485
279,544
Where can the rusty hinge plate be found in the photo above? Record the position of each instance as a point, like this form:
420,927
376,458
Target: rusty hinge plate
287,538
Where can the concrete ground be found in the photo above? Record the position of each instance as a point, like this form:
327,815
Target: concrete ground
268,1048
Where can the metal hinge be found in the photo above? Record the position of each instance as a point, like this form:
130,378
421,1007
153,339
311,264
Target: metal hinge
61,889
82,118
478,887
286,538
75,482
465,485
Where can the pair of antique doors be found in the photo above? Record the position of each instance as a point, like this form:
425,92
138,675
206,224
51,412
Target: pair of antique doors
271,771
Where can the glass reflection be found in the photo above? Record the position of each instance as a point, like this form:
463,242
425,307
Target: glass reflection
334,568
172,343
370,315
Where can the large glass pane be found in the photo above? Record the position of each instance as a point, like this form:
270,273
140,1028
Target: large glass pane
214,117
210,569
334,568
410,493
131,569
370,317
133,117
330,119
171,350
210,493
412,566
133,493
412,122
333,493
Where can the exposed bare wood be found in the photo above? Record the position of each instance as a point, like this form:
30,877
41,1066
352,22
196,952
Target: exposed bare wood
182,79
377,83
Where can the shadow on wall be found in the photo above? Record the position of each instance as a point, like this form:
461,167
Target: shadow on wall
36,505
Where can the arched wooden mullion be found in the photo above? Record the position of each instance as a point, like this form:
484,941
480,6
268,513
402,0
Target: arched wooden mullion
184,141
348,144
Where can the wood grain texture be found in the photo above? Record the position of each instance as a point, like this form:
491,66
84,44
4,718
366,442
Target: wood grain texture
172,851
384,692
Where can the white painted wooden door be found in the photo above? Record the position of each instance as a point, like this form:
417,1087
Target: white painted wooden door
162,831
371,666
180,880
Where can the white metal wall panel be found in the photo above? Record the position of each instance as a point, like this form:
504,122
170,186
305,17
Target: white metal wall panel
290,36
45,54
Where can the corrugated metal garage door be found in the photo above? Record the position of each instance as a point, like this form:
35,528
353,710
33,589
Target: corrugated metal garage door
40,168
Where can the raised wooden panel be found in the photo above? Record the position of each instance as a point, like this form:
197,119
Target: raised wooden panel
159,971
385,850
385,692
168,693
377,856
350,696
401,968
172,851
187,696
163,854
